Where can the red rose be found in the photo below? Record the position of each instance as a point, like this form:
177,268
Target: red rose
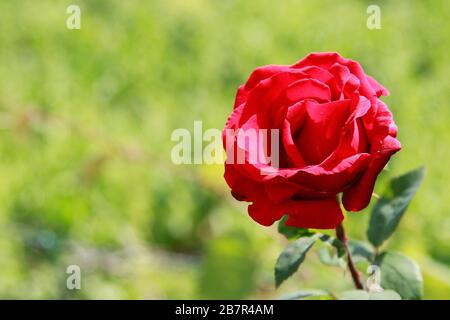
335,136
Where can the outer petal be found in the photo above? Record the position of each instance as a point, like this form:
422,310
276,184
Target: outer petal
320,59
235,117
381,132
264,211
279,192
324,180
318,214
262,73
271,203
379,89
256,77
242,188
358,196
327,59
262,98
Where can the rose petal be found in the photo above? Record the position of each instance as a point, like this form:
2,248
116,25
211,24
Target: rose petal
320,59
242,188
350,86
319,134
340,73
324,179
318,214
262,99
257,76
358,196
327,59
262,73
379,128
318,73
308,88
295,158
264,211
379,89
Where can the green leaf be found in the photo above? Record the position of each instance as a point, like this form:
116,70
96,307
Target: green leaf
292,232
354,295
361,250
335,242
402,274
329,257
332,254
332,251
385,295
302,294
364,295
390,208
291,258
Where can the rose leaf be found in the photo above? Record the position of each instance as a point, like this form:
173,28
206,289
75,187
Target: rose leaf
291,258
364,295
388,211
402,274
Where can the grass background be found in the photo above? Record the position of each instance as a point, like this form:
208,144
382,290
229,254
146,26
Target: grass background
85,123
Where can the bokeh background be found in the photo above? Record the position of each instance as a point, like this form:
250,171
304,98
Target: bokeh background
86,118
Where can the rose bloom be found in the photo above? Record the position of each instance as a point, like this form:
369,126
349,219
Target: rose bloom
335,136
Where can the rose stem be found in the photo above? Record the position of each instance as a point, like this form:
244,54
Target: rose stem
340,234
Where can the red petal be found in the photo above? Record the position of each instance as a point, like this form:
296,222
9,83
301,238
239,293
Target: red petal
317,214
379,89
318,136
264,211
256,77
358,196
308,89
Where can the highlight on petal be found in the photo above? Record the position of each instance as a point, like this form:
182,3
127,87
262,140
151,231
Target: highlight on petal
263,97
308,88
318,73
262,73
258,75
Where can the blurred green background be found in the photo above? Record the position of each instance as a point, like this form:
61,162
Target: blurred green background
85,123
